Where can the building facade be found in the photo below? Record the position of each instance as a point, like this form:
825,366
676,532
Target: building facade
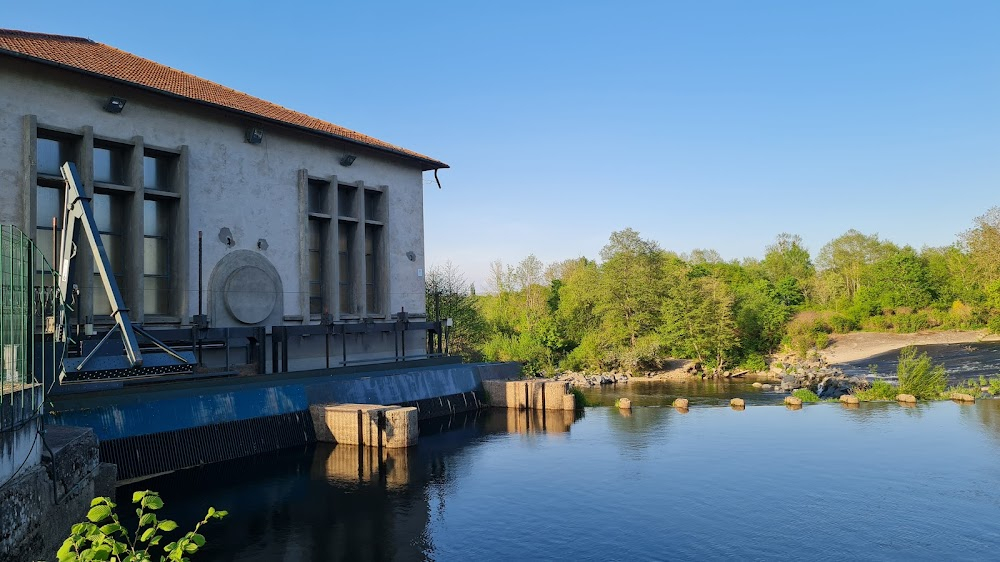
301,221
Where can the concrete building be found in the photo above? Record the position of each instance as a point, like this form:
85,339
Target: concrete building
303,221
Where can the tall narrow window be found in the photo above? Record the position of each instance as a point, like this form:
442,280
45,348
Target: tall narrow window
317,236
373,281
156,220
345,281
319,260
52,150
159,211
109,211
374,274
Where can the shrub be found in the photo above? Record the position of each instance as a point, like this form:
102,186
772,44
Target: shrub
580,399
919,376
877,324
909,323
754,362
993,324
111,541
822,340
994,386
842,324
879,389
805,395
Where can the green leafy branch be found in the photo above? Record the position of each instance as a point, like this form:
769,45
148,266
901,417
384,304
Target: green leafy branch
104,537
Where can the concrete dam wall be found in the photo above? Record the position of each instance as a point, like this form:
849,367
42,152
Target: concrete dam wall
146,429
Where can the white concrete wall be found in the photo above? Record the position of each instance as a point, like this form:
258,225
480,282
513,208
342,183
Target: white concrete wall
251,189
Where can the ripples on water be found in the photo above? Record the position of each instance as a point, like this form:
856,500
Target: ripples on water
824,482
961,360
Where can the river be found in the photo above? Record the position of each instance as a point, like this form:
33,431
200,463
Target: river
825,482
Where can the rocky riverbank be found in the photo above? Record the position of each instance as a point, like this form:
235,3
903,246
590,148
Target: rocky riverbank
826,380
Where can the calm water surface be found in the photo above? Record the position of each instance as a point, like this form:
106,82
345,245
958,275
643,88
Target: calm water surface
823,482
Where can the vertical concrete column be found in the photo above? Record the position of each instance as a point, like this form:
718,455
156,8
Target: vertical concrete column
303,218
330,256
133,233
358,251
29,176
183,294
84,262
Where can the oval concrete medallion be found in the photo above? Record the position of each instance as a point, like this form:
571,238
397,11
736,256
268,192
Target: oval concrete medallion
250,295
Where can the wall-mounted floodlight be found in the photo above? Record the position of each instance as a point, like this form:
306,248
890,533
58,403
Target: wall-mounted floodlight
114,104
255,135
347,160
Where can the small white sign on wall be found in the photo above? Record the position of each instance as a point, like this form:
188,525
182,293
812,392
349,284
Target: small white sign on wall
420,273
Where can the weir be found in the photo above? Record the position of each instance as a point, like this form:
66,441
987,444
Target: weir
154,428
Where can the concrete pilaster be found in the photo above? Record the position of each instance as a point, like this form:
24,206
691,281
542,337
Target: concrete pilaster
132,234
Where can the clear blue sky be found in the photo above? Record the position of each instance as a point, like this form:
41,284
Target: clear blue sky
701,124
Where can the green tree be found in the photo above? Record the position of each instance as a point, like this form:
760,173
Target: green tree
844,260
898,280
698,319
446,287
627,299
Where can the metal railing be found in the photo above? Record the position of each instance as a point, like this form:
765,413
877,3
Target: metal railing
29,301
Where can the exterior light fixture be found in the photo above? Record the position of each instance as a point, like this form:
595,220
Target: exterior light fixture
114,105
347,159
255,135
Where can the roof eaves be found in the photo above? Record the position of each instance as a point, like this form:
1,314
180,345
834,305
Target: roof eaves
426,163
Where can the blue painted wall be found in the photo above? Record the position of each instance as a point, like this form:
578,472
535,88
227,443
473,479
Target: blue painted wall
115,416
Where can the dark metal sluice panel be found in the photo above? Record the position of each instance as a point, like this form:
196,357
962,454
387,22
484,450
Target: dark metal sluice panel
163,452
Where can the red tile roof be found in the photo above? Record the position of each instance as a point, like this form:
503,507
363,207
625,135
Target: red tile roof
84,55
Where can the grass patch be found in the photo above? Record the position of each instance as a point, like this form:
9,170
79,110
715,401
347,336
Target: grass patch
805,395
975,386
878,390
580,399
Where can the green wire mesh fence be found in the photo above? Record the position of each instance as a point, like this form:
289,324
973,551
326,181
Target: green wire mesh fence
29,303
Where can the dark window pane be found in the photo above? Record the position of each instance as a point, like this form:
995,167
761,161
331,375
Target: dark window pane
156,217
109,165
315,267
317,196
345,299
315,235
48,155
113,249
373,206
43,240
48,204
156,296
345,201
150,172
315,305
155,256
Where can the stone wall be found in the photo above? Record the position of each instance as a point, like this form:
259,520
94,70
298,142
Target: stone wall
38,507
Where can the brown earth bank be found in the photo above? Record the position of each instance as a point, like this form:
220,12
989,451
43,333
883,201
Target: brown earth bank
855,346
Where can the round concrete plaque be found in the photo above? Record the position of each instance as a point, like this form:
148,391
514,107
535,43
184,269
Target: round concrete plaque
250,294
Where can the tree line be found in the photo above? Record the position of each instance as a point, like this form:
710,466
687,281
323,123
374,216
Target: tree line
639,304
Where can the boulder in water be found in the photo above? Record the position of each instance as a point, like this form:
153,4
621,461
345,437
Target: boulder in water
681,403
906,398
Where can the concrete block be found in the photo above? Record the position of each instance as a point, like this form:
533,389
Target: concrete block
529,394
569,402
339,423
